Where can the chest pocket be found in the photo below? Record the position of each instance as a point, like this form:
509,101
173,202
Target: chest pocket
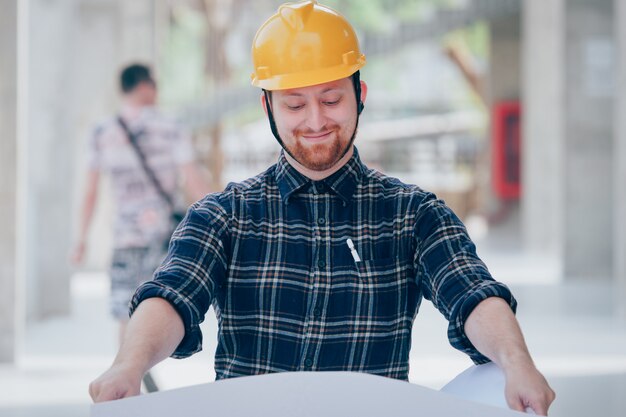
384,285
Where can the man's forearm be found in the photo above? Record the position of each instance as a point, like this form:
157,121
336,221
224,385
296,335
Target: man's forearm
153,333
494,331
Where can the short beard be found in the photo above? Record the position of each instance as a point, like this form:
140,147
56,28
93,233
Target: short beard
305,155
317,157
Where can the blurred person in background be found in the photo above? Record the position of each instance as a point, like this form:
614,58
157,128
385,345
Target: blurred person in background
147,156
319,263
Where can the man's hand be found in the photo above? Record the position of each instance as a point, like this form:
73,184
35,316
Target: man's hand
494,331
526,388
116,383
152,334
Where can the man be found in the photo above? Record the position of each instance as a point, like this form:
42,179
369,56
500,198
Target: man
319,264
142,213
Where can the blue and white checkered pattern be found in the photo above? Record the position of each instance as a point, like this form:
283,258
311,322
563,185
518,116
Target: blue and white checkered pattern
271,255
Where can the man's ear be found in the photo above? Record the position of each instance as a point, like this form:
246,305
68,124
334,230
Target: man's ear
263,103
363,92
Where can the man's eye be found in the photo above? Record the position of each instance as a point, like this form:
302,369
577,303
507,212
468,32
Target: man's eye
295,107
331,102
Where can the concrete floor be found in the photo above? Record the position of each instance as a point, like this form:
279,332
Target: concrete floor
570,330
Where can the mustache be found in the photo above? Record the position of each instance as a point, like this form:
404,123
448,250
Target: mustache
325,129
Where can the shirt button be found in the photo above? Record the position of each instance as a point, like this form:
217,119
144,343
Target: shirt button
317,312
308,362
321,264
321,221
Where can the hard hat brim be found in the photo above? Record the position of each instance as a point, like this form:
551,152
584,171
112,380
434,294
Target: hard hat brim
308,78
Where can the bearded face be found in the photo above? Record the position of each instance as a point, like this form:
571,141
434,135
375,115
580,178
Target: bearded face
317,123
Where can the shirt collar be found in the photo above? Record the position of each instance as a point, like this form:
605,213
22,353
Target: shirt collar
343,182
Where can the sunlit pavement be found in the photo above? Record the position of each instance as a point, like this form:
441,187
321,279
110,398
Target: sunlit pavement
574,339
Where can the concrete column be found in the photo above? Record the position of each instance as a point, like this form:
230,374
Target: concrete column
588,169
47,210
543,52
619,213
8,177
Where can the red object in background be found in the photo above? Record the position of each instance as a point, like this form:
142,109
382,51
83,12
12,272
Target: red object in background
506,149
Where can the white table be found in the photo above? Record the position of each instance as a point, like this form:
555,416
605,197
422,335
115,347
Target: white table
312,394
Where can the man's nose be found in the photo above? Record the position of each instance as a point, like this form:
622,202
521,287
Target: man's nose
315,117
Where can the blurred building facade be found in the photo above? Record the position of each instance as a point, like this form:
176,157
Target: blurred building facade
563,60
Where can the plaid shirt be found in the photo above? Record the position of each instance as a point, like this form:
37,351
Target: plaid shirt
271,255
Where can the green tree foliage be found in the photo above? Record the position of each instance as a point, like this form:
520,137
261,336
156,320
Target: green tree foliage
385,15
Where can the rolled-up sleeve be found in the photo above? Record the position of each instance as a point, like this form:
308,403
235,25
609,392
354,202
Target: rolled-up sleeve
192,271
450,273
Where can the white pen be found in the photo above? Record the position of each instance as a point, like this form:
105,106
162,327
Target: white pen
353,251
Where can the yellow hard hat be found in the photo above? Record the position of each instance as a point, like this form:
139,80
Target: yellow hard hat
304,44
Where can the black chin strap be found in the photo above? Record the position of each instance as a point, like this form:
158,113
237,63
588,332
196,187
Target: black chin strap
270,116
356,82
